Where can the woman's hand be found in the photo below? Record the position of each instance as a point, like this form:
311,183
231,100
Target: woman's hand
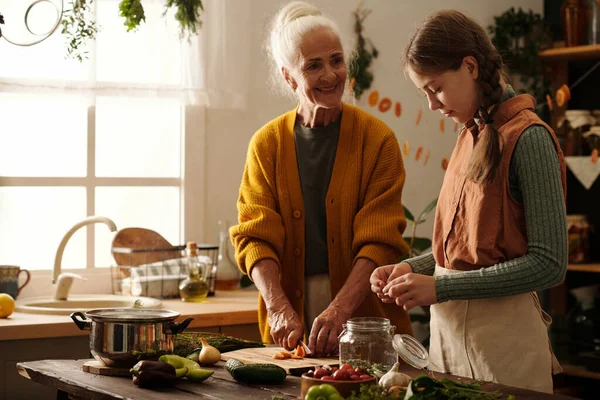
383,275
410,290
326,328
286,327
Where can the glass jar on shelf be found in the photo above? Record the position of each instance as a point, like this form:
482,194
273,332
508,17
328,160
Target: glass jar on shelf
195,287
578,233
368,342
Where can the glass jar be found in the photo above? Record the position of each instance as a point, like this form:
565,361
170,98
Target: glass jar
578,232
368,341
574,16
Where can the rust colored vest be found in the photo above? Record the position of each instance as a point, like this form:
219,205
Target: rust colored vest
476,225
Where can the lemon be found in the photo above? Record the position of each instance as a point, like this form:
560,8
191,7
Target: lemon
7,305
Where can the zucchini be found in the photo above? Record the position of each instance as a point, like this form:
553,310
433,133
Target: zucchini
255,373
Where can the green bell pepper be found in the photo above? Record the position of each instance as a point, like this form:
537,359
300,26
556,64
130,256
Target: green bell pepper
323,392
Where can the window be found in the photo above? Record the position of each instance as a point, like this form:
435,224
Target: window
103,137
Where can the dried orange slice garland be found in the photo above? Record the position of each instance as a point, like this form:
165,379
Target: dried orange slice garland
563,94
298,354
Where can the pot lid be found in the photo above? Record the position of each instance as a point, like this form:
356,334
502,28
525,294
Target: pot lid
411,351
126,314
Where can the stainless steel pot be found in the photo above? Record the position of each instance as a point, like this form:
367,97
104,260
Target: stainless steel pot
120,337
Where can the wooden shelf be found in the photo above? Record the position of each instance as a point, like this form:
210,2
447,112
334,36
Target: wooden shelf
584,267
580,371
571,53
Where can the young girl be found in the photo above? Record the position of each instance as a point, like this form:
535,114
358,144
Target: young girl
500,226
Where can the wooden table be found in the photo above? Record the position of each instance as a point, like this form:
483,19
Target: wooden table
71,382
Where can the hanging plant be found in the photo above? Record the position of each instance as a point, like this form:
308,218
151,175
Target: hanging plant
78,26
188,16
133,12
519,36
360,76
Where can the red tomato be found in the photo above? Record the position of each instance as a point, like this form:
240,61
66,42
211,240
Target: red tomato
341,375
347,366
355,377
359,370
327,378
364,377
320,372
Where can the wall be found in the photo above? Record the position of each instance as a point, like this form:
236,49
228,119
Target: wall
388,26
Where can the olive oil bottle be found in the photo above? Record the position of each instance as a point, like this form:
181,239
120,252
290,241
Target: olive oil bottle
194,288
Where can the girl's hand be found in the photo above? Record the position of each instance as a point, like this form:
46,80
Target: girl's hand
410,290
383,275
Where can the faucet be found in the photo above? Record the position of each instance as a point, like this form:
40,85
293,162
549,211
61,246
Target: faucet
63,244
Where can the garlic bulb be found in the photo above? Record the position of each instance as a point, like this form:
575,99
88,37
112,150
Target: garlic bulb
209,355
394,378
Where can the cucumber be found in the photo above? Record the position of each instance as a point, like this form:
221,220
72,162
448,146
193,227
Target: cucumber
255,373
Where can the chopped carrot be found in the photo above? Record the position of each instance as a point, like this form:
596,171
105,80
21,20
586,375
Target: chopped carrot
442,125
426,157
300,352
445,163
398,109
406,148
549,102
419,115
385,104
418,153
373,98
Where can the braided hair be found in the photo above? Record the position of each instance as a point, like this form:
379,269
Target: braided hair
440,44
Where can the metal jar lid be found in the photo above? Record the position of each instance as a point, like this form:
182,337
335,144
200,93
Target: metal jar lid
131,315
411,351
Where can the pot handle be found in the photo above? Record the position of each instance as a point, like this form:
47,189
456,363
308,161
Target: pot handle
176,328
82,323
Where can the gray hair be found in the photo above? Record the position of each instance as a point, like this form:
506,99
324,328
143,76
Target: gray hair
293,21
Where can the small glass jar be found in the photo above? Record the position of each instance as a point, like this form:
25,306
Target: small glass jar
368,342
579,232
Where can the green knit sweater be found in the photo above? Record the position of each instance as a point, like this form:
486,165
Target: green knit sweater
535,182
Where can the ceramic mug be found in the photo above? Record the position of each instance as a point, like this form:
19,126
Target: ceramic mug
9,279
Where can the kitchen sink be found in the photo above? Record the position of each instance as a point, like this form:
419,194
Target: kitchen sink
82,303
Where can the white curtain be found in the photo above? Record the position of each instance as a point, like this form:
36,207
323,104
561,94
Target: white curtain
208,70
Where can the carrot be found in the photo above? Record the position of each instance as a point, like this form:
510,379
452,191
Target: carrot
419,115
385,104
442,125
426,157
406,148
418,153
373,98
398,109
445,163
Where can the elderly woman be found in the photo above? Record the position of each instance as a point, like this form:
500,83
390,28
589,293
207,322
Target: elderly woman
320,199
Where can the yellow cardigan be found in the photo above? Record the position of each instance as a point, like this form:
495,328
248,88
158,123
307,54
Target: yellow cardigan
365,218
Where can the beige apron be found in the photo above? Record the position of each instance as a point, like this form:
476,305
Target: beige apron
317,298
503,340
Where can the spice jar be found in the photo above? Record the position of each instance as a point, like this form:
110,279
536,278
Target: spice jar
368,342
579,232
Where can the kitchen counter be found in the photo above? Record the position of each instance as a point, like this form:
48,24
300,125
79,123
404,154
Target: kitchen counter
236,307
73,383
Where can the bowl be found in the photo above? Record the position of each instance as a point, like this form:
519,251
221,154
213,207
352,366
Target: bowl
344,387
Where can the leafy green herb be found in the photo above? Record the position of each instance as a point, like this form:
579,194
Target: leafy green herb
137,304
425,387
188,15
133,12
359,68
78,26
376,392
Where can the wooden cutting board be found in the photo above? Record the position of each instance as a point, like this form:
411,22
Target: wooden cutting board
98,368
265,355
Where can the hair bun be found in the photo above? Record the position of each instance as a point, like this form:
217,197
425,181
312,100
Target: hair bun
293,11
